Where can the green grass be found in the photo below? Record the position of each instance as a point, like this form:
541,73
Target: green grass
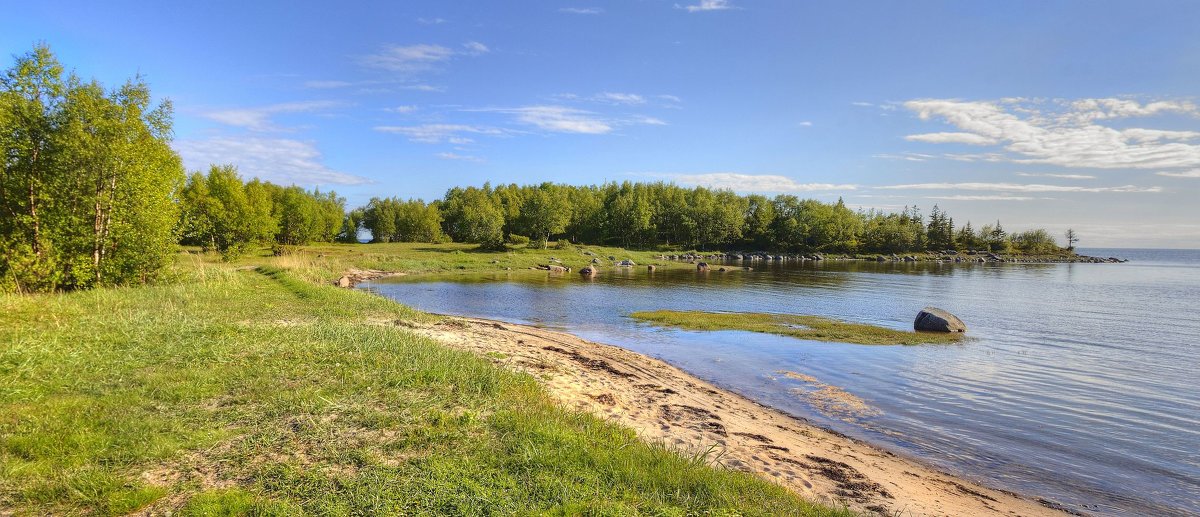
326,262
235,392
813,328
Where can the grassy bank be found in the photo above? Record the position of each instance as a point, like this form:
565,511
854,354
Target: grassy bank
325,262
813,328
241,391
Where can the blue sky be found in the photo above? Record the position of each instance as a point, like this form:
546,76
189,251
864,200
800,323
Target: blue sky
1041,114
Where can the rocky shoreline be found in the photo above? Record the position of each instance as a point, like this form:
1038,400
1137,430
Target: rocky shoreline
967,257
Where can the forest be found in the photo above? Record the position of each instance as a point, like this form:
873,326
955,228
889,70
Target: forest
91,193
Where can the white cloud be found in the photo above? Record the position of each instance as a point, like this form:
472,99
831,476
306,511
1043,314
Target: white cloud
438,133
475,48
670,98
581,10
279,160
560,119
408,59
1194,173
862,104
1017,187
751,182
1070,136
460,157
259,119
563,119
985,198
951,138
619,98
650,121
806,123
431,21
423,88
327,85
1060,176
1100,109
401,109
707,5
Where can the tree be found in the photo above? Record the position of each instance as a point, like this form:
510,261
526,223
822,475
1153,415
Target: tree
1071,239
88,180
544,212
472,216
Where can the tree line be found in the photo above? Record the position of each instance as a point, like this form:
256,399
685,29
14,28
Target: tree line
91,193
653,215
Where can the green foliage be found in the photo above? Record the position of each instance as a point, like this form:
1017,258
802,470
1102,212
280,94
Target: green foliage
87,181
1035,242
473,216
395,220
221,212
517,240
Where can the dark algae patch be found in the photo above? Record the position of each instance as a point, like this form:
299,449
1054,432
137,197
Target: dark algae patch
800,326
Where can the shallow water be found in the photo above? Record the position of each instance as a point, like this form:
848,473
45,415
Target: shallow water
1079,383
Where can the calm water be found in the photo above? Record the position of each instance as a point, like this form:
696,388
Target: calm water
1080,383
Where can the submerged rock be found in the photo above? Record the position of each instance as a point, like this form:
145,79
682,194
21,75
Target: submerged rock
702,266
589,271
933,319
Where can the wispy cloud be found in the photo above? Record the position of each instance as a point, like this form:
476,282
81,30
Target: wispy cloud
475,48
1194,173
401,109
460,157
431,21
565,119
706,5
439,133
772,183
805,123
259,118
278,160
411,59
619,98
327,85
1060,176
951,138
1065,133
560,119
581,10
962,197
1018,187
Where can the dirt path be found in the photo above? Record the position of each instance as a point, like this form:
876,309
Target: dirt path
663,403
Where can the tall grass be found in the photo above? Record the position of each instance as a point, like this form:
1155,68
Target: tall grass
252,391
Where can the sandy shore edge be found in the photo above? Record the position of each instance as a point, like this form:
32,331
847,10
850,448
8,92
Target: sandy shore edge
665,404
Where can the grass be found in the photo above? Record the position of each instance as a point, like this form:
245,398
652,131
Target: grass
238,391
813,328
326,262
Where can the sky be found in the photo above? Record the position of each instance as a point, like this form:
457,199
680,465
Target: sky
1049,114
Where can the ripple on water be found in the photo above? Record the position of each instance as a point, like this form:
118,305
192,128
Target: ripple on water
1078,382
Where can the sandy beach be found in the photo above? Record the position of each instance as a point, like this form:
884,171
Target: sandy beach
667,405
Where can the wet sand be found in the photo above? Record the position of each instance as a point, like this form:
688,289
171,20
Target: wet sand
667,405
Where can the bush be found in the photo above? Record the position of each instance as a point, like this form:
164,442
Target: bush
517,240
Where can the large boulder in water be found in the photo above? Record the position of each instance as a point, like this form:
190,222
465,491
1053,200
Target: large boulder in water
589,271
933,319
702,266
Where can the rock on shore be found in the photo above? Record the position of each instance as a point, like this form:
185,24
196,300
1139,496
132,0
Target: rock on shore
933,319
